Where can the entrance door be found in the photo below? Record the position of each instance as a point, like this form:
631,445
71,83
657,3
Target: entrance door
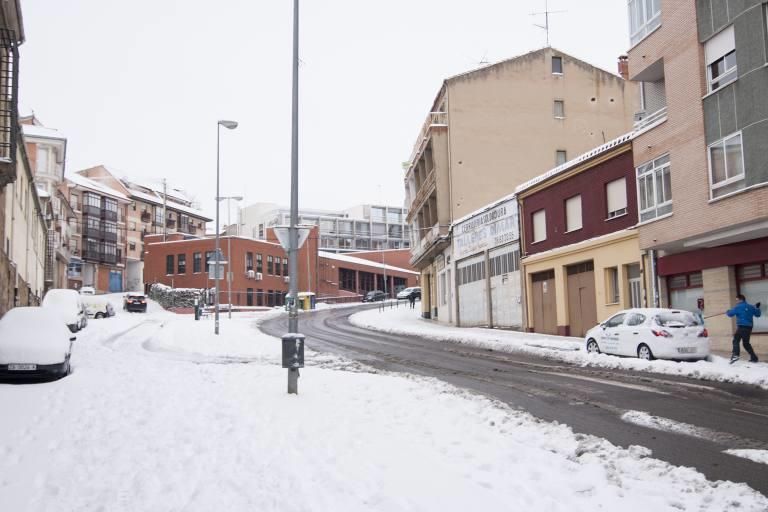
544,303
249,296
635,286
582,302
115,281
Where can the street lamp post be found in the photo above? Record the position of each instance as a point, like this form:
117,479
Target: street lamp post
230,125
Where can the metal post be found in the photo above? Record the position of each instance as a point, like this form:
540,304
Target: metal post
229,258
293,234
165,209
216,249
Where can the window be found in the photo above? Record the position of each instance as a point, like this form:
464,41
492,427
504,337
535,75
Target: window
721,59
654,188
504,263
685,290
345,227
472,272
615,321
248,261
612,285
726,165
270,294
379,229
557,65
539,226
259,297
182,263
270,267
752,281
43,162
572,214
169,264
635,319
259,264
347,280
394,216
561,156
559,109
196,262
285,266
616,197
644,18
378,214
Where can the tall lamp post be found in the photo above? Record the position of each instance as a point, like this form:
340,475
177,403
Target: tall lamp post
229,249
230,125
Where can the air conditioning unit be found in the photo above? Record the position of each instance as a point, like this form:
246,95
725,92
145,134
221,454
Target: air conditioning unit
250,274
286,279
259,277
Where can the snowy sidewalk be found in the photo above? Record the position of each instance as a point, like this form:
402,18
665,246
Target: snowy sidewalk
571,350
162,415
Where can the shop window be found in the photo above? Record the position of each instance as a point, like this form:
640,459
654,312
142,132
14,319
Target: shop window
685,290
752,281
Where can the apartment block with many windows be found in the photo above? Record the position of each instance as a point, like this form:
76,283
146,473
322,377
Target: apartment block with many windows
701,152
491,129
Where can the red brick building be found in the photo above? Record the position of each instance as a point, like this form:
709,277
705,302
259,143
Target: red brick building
400,258
260,269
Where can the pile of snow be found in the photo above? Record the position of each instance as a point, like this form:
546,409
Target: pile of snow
160,414
570,350
175,297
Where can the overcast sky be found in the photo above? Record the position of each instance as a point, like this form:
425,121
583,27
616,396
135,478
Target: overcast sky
139,85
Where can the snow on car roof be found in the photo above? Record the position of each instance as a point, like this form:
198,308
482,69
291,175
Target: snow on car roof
33,335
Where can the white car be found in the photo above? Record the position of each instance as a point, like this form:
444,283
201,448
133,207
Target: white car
87,290
651,333
97,306
34,343
69,305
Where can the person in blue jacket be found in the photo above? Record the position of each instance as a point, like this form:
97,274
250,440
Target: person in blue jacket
744,312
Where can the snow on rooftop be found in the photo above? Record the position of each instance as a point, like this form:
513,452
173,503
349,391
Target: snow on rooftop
361,261
573,163
82,181
33,130
171,204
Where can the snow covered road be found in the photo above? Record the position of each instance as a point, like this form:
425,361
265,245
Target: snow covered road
161,415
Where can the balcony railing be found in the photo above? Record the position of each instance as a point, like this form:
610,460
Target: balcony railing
146,216
434,119
170,223
643,120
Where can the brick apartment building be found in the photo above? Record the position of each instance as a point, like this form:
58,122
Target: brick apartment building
355,274
701,153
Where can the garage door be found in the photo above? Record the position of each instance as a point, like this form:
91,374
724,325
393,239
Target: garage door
472,291
582,303
506,306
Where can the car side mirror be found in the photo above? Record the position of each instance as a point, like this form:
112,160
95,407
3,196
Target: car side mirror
603,325
73,338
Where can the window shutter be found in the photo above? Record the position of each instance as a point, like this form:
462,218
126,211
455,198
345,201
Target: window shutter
616,192
539,226
720,45
573,213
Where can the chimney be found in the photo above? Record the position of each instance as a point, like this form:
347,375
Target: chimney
624,67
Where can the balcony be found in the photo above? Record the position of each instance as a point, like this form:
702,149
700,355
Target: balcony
109,215
146,216
170,223
422,194
644,120
94,211
434,120
107,258
433,241
91,255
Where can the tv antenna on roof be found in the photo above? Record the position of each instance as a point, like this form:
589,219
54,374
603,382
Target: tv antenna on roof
546,14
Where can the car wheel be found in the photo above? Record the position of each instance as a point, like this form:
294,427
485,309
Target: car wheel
644,352
99,315
593,347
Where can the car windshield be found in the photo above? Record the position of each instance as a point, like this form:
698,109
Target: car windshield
135,297
677,319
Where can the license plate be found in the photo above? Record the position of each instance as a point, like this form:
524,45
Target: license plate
687,350
21,367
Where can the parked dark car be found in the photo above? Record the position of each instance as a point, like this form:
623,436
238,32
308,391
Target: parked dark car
135,302
407,293
374,296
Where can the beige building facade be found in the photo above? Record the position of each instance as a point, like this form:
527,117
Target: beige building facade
490,130
701,155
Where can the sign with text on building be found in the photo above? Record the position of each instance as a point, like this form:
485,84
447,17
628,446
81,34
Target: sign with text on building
486,230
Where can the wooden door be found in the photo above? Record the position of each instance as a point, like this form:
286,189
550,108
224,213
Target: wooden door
582,300
544,303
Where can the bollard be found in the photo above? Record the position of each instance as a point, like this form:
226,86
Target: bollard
293,359
197,310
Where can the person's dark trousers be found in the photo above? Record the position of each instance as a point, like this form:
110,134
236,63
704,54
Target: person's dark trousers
743,334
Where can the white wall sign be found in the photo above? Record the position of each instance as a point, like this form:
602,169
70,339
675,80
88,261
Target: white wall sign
486,230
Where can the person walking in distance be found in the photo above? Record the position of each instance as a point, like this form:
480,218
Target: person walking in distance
412,299
744,312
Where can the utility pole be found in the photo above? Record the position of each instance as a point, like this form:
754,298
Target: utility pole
293,232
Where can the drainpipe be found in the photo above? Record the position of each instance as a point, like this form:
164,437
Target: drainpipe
654,278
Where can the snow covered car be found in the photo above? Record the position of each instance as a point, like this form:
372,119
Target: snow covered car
34,343
98,307
87,290
650,333
407,292
69,305
135,302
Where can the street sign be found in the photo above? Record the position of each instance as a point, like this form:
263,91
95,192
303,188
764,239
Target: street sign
281,232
